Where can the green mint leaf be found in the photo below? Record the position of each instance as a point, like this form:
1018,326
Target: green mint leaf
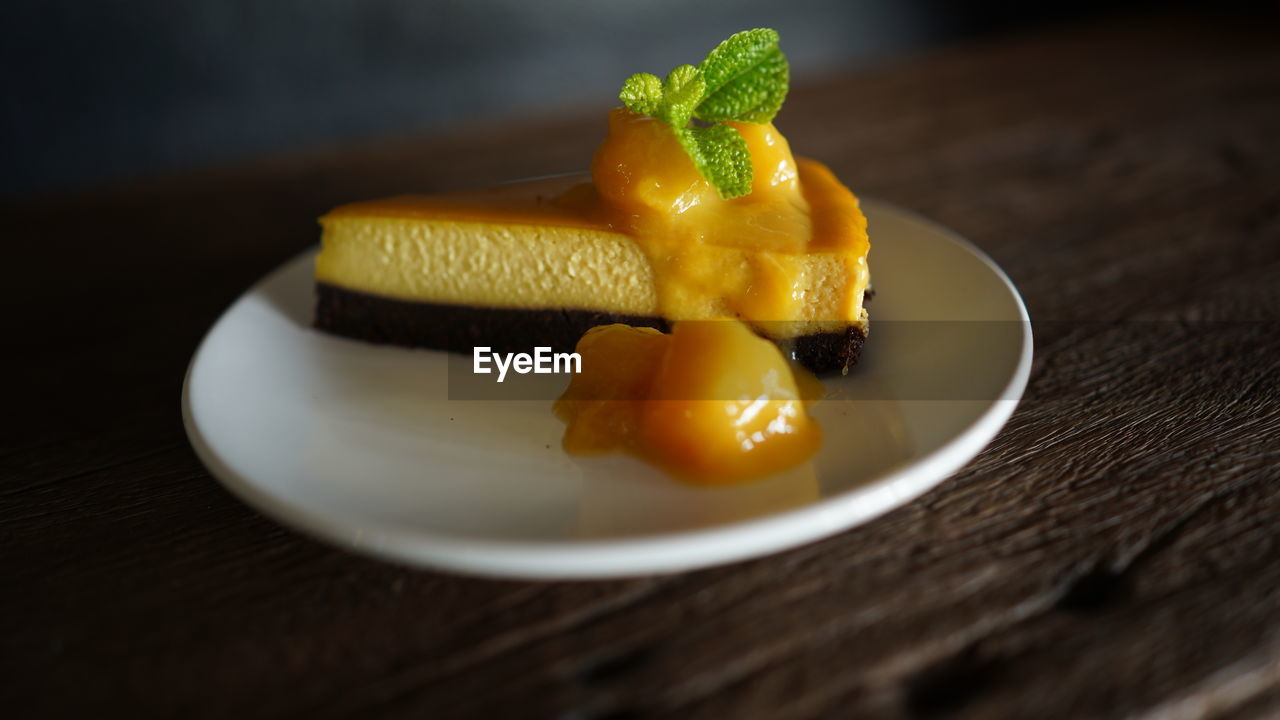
720,154
747,78
744,79
642,93
683,89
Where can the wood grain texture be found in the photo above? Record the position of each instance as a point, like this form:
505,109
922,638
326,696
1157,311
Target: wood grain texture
1113,554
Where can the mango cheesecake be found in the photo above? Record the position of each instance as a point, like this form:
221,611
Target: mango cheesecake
694,209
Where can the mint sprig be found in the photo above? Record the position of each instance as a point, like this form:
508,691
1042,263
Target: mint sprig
744,79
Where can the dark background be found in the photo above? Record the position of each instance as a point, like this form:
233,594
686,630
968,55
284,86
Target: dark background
98,91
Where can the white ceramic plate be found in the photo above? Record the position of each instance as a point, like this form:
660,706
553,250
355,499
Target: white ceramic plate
361,445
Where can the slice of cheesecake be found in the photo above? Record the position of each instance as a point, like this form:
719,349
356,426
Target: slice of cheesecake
643,240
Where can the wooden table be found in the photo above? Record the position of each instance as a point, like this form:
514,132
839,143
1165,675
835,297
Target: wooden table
1114,553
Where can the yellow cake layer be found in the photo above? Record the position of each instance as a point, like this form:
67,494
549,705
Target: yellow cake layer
546,266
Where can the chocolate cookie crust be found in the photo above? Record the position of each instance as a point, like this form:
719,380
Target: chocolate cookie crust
459,328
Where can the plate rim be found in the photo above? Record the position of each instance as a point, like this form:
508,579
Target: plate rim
613,558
